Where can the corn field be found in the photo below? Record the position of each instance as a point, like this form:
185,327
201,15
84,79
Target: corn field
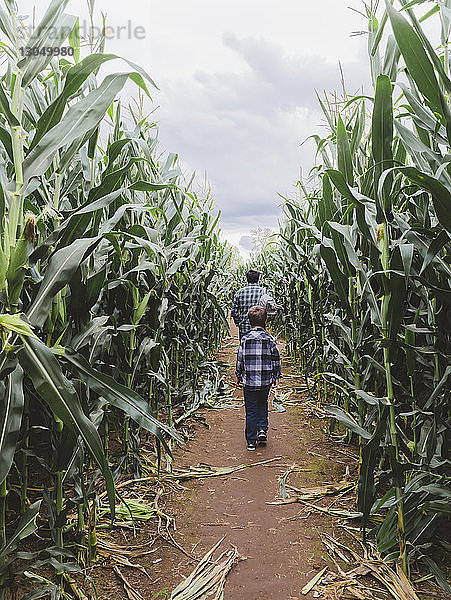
361,265
112,300
115,285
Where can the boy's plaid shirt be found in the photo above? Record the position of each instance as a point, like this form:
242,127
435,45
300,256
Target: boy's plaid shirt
258,361
244,299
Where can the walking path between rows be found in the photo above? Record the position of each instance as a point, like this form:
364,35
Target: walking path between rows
282,546
282,543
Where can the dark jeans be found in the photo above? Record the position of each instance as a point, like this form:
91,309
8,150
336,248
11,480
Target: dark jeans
256,403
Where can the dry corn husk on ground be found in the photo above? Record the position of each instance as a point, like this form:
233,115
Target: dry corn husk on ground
350,583
208,578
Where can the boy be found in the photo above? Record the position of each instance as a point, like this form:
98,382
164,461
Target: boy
257,368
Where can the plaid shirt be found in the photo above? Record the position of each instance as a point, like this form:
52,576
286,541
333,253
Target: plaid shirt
258,361
244,299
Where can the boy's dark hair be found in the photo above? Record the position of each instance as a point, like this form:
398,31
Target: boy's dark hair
252,276
257,316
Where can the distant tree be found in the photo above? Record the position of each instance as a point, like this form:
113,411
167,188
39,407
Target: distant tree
261,236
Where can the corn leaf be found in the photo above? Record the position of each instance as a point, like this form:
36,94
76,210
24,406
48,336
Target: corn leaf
11,409
441,196
346,419
57,391
416,59
382,136
60,270
80,119
344,153
26,526
120,396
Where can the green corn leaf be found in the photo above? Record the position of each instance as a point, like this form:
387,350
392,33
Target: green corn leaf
427,44
441,196
370,452
79,120
40,364
434,248
344,153
347,253
6,26
438,388
175,266
380,31
141,309
75,77
120,396
5,139
387,533
422,114
391,58
111,181
17,324
74,40
15,273
340,280
102,202
32,65
326,205
60,270
27,526
359,129
439,575
144,186
5,104
416,59
346,419
406,251
11,408
398,292
382,137
413,144
115,149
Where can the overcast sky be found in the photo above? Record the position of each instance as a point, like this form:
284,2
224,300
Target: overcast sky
237,84
237,97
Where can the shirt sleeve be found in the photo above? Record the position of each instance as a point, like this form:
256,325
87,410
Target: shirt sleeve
276,364
239,371
235,312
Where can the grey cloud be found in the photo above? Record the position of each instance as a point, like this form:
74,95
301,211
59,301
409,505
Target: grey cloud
275,81
245,128
246,242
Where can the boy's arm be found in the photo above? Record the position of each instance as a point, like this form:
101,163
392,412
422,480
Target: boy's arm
239,371
276,364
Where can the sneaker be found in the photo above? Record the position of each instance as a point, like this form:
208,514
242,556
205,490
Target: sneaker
261,436
251,445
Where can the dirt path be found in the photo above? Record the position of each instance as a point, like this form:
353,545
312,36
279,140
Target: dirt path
282,543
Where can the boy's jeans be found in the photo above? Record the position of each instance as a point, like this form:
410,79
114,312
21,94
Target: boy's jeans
256,403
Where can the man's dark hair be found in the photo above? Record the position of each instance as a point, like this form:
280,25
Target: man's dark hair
252,276
257,316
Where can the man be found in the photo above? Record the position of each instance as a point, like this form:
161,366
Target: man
244,299
257,368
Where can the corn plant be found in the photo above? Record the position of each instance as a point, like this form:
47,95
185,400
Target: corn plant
110,275
362,269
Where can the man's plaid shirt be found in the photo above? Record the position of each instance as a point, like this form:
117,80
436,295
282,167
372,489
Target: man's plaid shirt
258,360
244,299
